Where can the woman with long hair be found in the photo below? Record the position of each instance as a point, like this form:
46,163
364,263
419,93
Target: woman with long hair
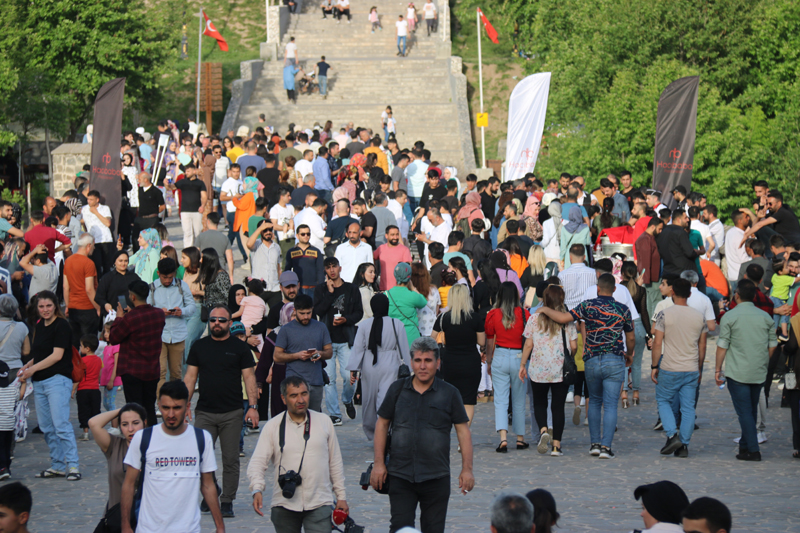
641,328
295,179
172,253
421,280
458,267
461,360
130,418
517,260
268,372
574,232
546,343
374,172
504,327
499,217
381,346
214,280
145,261
537,264
367,282
50,369
115,283
606,219
544,510
190,260
499,259
486,288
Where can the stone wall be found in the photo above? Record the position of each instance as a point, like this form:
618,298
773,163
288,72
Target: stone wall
241,90
279,21
68,160
458,90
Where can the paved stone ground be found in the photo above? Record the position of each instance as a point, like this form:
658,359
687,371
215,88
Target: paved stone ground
592,495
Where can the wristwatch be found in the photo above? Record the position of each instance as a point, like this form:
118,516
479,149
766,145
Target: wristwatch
653,367
253,407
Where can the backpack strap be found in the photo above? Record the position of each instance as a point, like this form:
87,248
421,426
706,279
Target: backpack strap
201,443
144,444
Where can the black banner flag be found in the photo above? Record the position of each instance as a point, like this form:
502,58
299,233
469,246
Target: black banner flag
675,134
106,174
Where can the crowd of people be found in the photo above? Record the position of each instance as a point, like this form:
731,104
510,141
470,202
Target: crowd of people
425,294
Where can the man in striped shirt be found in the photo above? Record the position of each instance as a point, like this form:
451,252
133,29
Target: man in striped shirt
577,278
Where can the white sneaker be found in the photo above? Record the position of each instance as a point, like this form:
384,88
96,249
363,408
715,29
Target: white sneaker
583,402
586,421
762,437
570,397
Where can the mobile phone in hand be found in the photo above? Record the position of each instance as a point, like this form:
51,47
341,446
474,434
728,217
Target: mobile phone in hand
123,302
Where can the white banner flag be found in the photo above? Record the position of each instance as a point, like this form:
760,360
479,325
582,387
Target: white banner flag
526,113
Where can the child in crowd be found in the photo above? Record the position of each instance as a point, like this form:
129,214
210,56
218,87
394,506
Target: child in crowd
88,390
238,330
374,18
448,280
252,309
15,508
109,379
782,281
411,16
11,391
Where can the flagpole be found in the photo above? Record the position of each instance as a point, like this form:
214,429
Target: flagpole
480,84
199,59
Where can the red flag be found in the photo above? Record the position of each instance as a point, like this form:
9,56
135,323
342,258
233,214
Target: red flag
211,31
490,31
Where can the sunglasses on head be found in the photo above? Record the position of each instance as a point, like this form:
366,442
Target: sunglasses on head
220,319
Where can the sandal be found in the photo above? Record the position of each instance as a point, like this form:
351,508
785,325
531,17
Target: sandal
50,473
522,445
501,448
74,475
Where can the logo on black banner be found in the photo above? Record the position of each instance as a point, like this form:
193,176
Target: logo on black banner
675,154
674,166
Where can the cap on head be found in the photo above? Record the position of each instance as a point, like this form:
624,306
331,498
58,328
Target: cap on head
289,278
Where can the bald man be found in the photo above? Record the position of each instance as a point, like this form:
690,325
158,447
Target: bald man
353,252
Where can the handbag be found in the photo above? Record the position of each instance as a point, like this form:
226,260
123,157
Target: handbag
790,378
402,371
569,371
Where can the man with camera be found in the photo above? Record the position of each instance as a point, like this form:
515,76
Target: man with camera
421,409
309,474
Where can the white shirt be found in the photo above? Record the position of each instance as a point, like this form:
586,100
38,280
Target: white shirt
231,187
310,217
265,264
97,229
402,28
705,233
343,3
281,215
437,234
304,167
701,303
172,480
430,10
734,255
621,295
549,241
717,230
290,50
350,257
402,222
221,167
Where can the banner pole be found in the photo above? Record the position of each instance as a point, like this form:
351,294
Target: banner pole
480,85
199,59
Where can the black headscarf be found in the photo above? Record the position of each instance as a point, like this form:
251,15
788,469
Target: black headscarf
232,305
664,500
380,309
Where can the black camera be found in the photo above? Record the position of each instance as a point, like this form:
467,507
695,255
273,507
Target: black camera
289,483
351,527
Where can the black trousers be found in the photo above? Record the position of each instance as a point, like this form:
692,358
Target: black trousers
292,94
339,13
432,497
6,447
141,392
793,396
125,228
559,391
103,257
88,405
83,322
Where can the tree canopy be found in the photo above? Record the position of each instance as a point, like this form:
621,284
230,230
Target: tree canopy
610,60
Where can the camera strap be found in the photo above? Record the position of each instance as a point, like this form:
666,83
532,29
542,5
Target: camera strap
282,439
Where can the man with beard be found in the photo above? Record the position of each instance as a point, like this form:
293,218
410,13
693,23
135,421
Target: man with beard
389,255
222,361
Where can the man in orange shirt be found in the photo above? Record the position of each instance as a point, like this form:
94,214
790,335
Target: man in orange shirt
80,284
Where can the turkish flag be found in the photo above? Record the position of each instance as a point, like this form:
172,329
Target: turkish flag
490,31
211,31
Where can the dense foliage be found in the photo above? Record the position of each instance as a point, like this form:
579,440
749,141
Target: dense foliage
611,59
77,46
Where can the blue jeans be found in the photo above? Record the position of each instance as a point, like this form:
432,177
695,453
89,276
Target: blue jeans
779,319
341,355
110,398
604,377
323,84
680,386
307,292
52,412
401,39
745,403
407,212
638,352
195,328
505,376
230,217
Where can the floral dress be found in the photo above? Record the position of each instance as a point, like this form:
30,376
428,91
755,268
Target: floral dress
427,315
547,357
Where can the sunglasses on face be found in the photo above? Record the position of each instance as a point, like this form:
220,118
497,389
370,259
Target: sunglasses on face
221,320
303,234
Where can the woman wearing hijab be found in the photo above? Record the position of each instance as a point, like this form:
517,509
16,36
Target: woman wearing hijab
551,229
245,203
145,261
530,217
472,208
381,346
268,372
235,296
574,232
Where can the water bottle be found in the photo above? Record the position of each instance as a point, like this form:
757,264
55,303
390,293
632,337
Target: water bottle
722,378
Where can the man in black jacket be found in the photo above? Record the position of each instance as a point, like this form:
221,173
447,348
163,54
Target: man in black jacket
476,245
338,306
675,248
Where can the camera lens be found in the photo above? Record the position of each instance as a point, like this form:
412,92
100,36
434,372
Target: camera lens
288,490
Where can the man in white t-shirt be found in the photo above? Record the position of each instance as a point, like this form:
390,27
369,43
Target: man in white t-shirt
175,469
708,240
97,219
699,301
305,165
342,8
230,188
221,167
735,253
429,12
290,53
401,32
439,232
282,216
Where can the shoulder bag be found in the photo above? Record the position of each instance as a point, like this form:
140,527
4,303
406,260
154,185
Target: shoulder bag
402,371
570,370
790,378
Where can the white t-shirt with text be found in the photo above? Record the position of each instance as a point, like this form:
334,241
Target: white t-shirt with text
430,10
231,186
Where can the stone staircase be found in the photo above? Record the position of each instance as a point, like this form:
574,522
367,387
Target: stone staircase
426,89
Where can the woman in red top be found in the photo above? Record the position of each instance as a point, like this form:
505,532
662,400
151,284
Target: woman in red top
504,326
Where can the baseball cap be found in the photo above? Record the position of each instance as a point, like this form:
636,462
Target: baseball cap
237,328
680,188
289,278
5,375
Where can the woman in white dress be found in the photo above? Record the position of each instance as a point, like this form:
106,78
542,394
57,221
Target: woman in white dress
421,279
381,346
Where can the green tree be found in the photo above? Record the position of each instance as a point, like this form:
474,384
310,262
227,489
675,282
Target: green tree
85,43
